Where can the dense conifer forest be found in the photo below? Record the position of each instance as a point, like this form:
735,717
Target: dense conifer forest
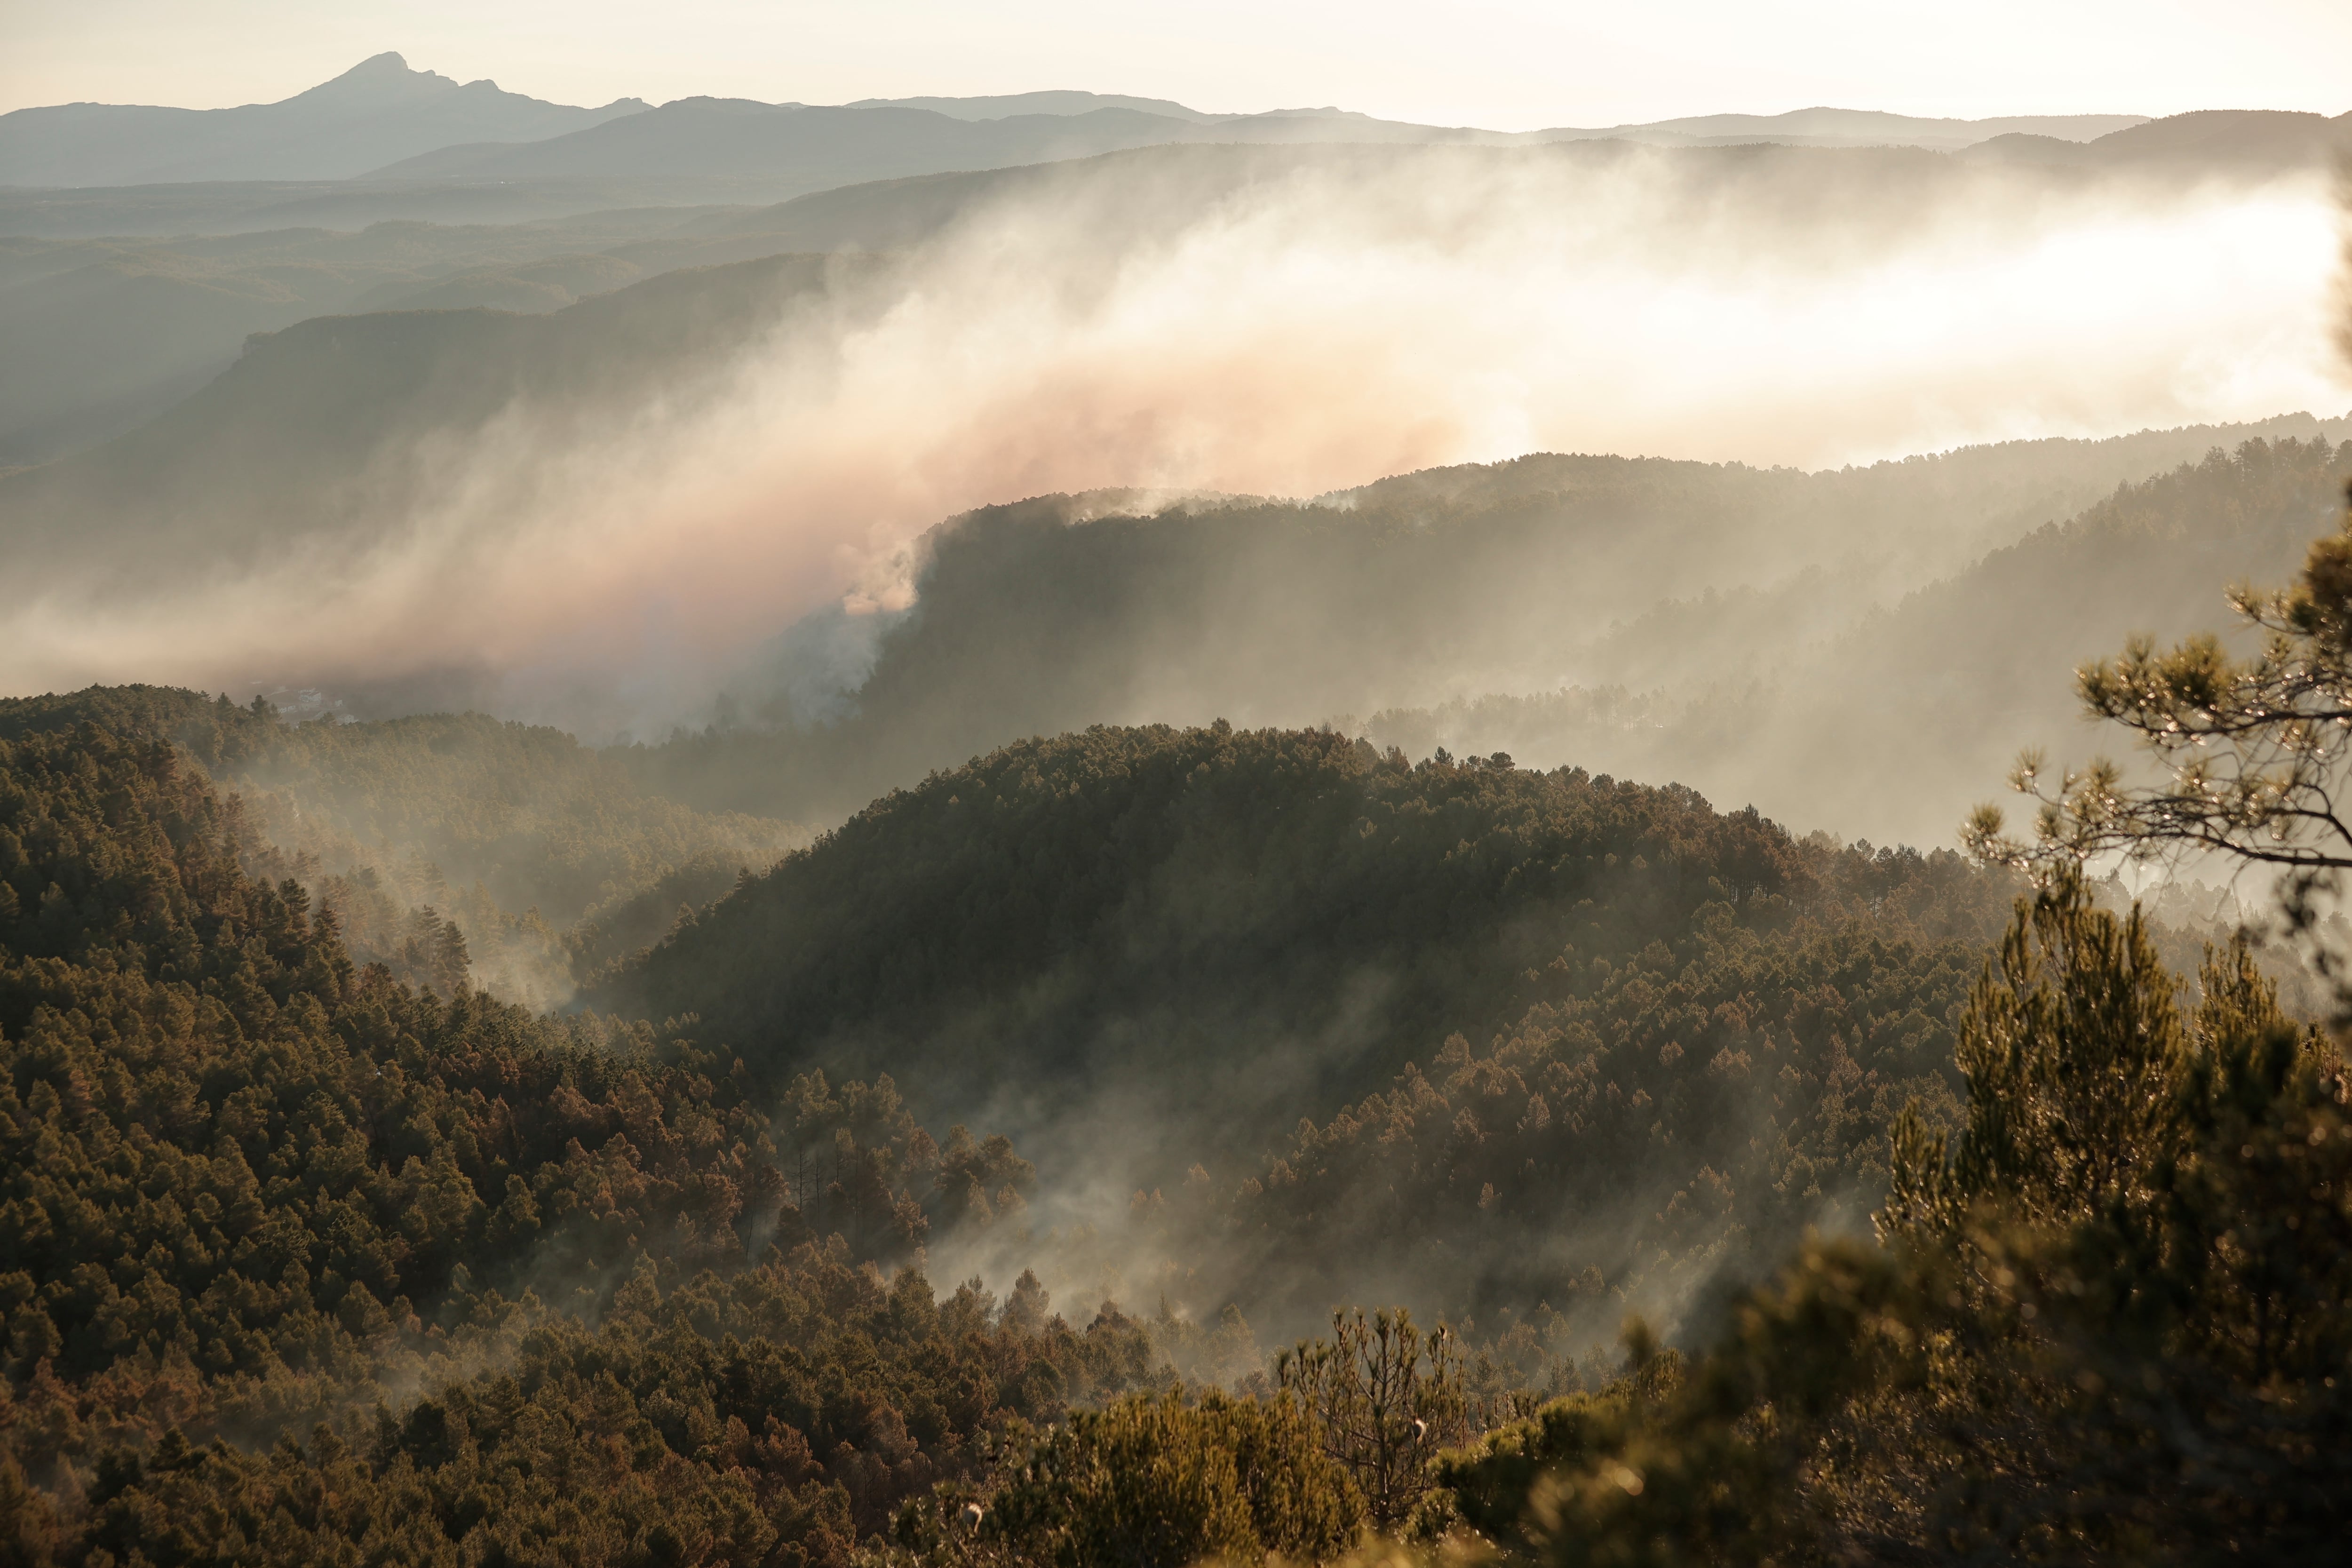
255,1189
309,1262
429,1141
701,868
454,849
1726,626
1122,871
1693,1028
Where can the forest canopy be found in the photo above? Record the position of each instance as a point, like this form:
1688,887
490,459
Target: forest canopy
454,847
318,1250
252,1188
666,1007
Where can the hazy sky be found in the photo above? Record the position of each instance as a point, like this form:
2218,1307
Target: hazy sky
1506,64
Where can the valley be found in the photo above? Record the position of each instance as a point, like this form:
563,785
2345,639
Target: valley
1042,828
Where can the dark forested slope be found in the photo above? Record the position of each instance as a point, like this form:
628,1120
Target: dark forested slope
301,1258
454,846
777,1416
2107,1319
1562,1044
1896,720
1664,1116
246,1186
1154,947
1254,914
1513,578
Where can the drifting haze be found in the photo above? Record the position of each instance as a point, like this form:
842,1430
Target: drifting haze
1318,324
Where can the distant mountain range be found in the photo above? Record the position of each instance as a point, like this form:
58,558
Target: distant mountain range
383,142
798,148
2207,140
1851,128
377,113
1064,102
795,148
815,148
383,120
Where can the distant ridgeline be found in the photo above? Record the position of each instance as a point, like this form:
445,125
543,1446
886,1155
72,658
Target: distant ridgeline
1950,678
265,452
1046,615
1865,648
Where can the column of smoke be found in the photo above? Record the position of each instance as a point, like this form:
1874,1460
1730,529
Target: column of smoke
1314,327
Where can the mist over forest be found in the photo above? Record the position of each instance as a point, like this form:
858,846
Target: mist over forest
1055,828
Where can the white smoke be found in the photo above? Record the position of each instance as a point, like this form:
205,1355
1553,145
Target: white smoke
1331,322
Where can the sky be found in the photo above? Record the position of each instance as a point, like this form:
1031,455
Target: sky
1502,64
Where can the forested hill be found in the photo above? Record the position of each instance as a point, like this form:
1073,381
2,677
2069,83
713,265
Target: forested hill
1938,689
456,849
1514,578
2156,556
1265,920
1662,1119
296,1256
247,1187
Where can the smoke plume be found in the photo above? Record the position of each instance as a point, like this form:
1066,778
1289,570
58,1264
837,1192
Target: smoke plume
1312,324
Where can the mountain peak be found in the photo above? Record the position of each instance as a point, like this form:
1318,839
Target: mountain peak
379,111
379,80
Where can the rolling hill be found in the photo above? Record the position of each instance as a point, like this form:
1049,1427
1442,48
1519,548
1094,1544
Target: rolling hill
795,148
538,859
1224,923
1892,719
1669,597
2205,142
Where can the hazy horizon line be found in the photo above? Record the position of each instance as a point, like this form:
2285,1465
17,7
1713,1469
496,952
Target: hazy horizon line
1590,124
